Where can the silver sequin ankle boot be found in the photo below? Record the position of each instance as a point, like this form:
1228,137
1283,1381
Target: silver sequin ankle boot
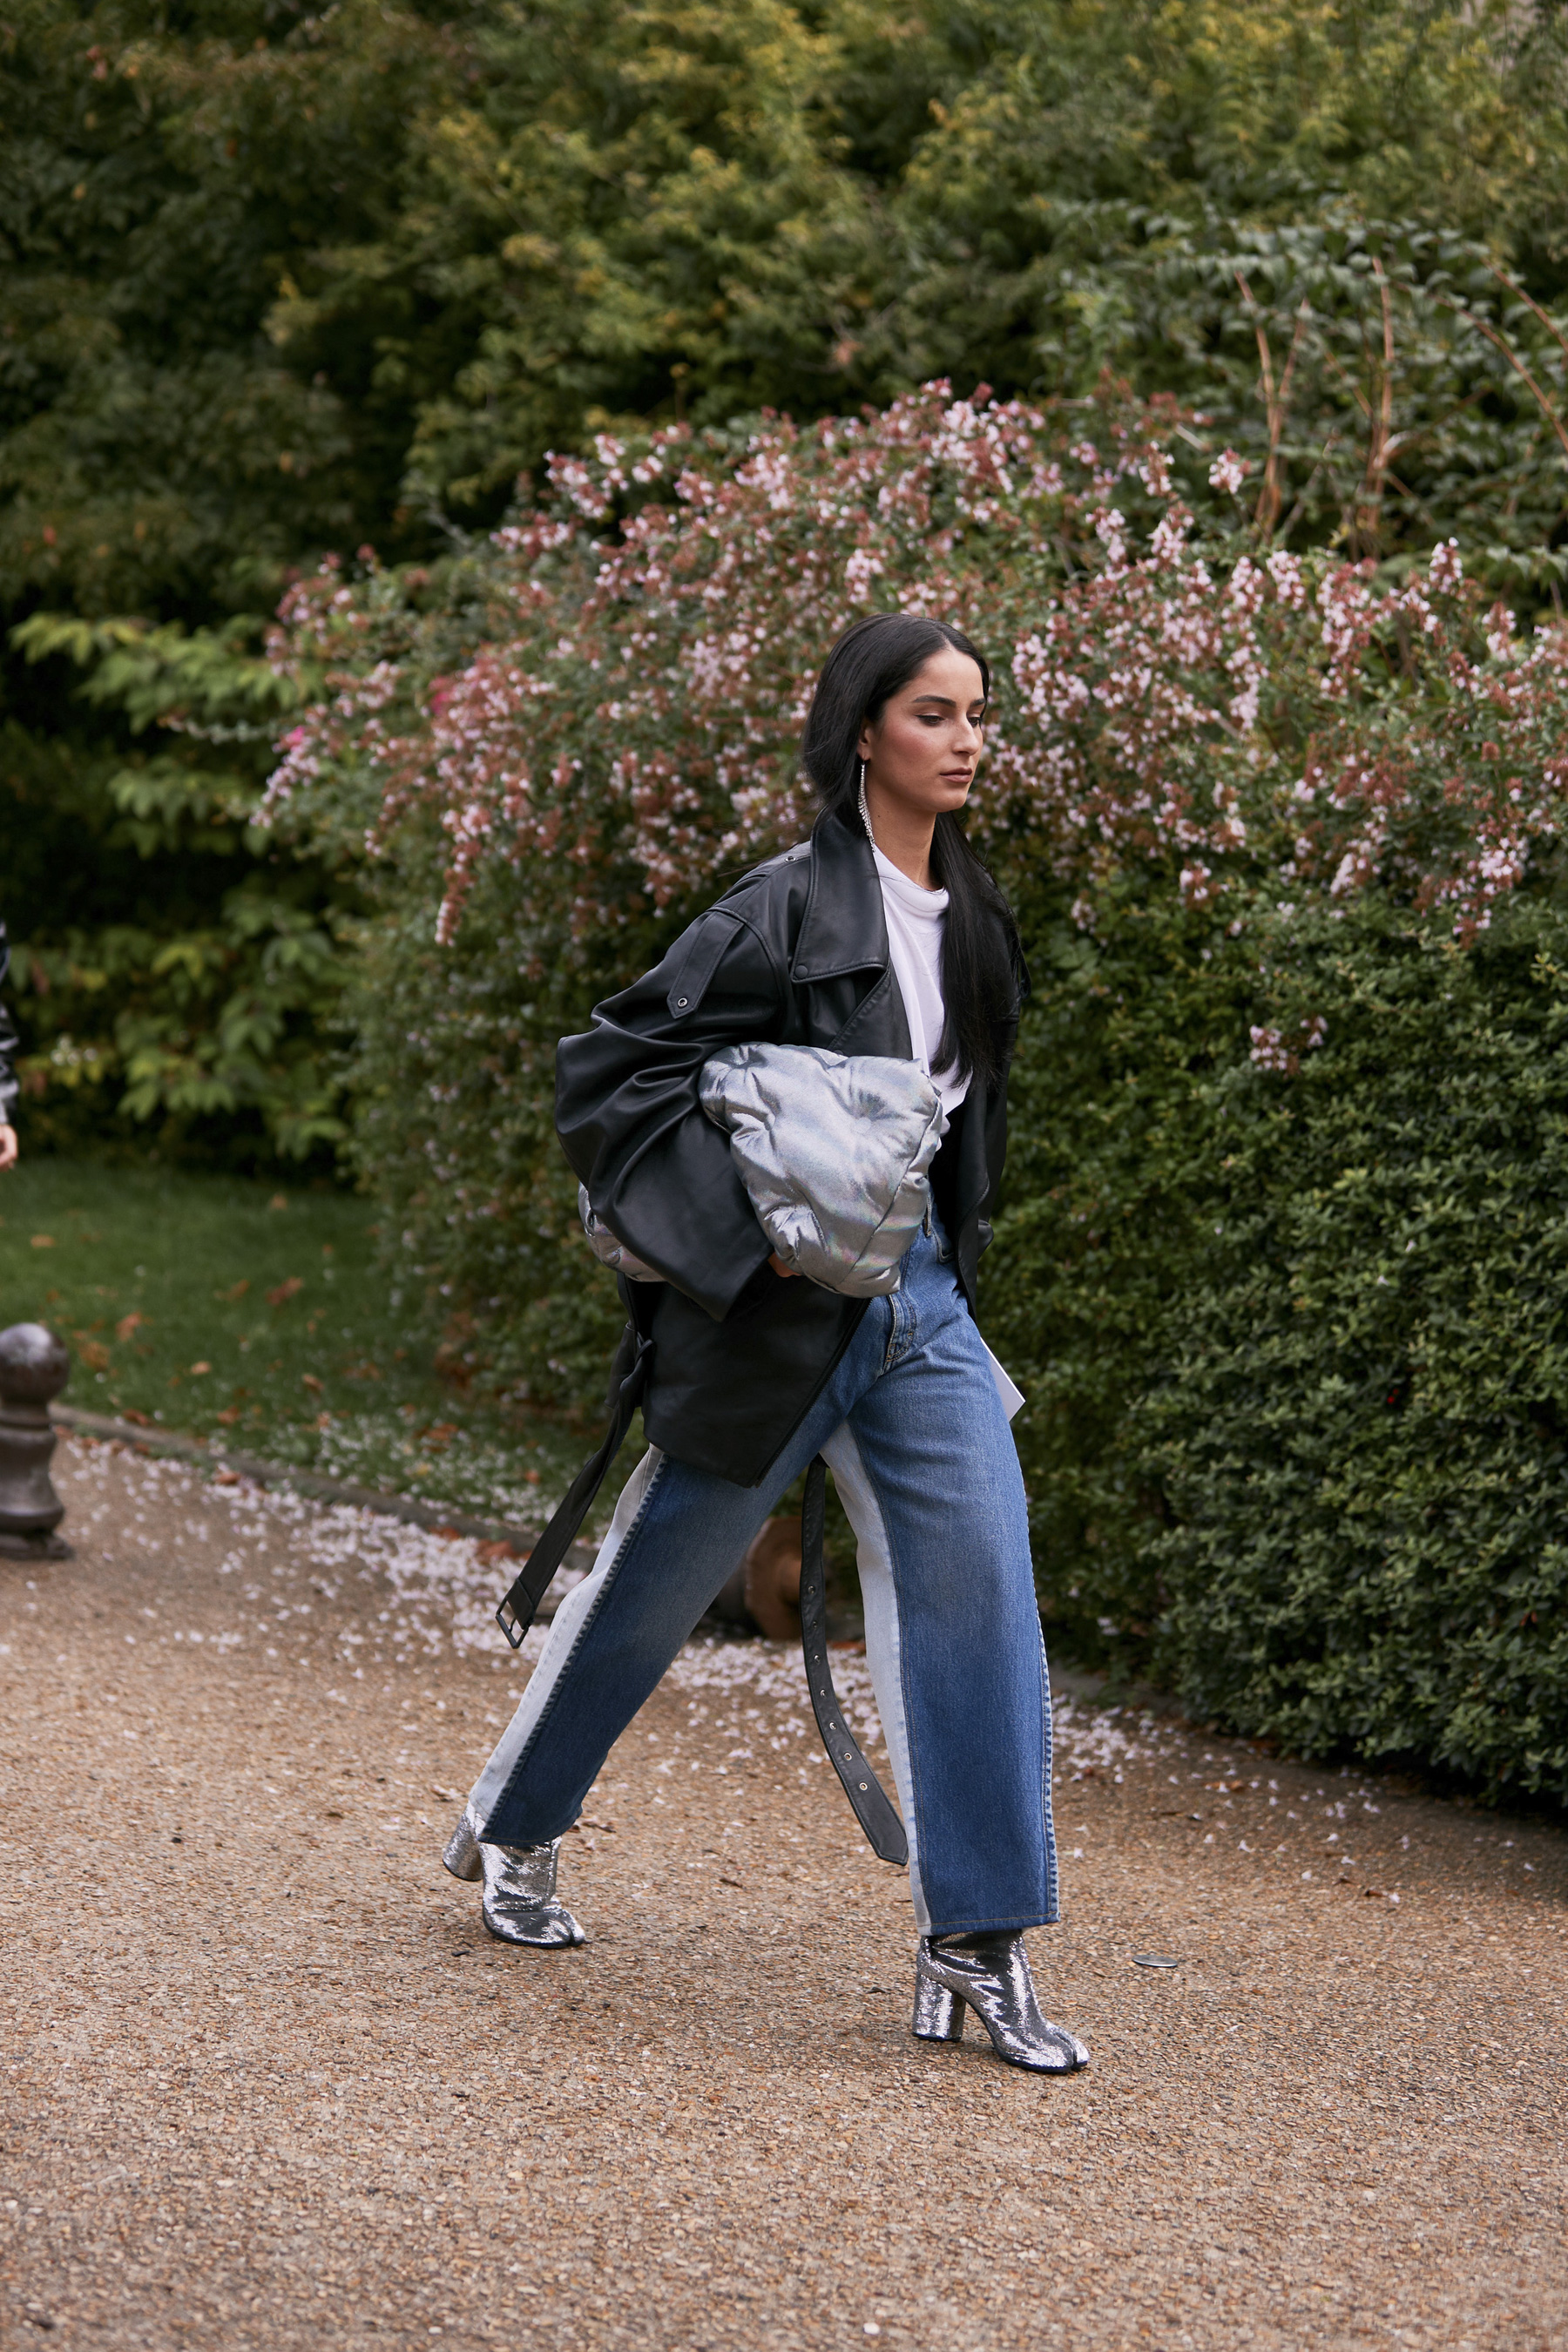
991,1974
520,1904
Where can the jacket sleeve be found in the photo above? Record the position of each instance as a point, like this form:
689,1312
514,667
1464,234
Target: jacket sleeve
659,1172
9,1045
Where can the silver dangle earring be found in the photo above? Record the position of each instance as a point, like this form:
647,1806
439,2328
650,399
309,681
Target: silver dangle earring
865,811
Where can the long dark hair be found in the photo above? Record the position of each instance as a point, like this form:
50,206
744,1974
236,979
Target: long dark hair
870,662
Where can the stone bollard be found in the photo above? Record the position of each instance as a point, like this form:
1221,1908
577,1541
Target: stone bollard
34,1367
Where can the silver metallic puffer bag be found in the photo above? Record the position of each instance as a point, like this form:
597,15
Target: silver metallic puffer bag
833,1151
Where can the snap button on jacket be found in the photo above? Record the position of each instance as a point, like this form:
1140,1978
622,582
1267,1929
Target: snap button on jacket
795,954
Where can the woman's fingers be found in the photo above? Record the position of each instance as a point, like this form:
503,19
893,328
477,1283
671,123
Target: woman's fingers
788,1272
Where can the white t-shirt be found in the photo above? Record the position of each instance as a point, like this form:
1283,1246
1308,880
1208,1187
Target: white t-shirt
916,920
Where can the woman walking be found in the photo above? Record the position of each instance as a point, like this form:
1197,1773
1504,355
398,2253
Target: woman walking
884,942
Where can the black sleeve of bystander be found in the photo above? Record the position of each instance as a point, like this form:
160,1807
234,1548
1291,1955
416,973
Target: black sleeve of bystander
8,1044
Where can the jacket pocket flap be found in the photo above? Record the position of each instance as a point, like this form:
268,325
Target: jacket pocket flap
699,952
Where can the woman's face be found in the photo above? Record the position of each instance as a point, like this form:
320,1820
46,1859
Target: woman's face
921,754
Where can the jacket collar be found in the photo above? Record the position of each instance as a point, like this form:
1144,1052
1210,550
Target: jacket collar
843,927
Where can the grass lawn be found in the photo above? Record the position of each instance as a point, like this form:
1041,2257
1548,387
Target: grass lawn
228,1308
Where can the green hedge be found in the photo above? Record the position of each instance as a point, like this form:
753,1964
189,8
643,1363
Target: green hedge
1297,1344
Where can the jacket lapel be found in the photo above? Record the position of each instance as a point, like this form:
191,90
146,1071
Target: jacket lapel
843,927
843,939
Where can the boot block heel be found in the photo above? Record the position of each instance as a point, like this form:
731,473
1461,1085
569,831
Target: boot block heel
989,1972
462,1853
938,2014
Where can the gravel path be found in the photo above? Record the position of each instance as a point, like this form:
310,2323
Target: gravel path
270,2085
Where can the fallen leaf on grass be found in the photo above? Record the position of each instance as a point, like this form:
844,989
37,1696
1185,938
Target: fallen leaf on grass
309,1380
237,1291
285,1291
142,1420
128,1326
279,1201
43,1241
229,1415
94,1355
197,1369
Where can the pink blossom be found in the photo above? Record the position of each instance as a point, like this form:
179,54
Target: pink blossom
629,715
1445,571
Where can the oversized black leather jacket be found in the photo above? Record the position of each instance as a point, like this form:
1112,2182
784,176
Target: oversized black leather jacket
9,1045
796,954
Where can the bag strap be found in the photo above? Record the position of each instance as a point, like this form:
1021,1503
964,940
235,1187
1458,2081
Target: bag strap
516,1612
873,1808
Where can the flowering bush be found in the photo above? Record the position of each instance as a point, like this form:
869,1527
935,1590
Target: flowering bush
1222,782
630,714
650,638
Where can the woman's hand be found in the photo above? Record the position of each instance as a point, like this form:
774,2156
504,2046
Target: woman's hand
789,1273
8,1147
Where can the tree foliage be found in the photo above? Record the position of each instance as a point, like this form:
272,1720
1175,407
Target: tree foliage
161,467
275,282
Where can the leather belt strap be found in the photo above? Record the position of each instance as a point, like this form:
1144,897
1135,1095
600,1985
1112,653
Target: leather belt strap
873,1808
516,1612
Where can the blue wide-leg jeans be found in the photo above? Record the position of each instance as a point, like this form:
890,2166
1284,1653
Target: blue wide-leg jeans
912,1427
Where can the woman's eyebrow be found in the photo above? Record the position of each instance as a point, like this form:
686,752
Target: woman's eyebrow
947,701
